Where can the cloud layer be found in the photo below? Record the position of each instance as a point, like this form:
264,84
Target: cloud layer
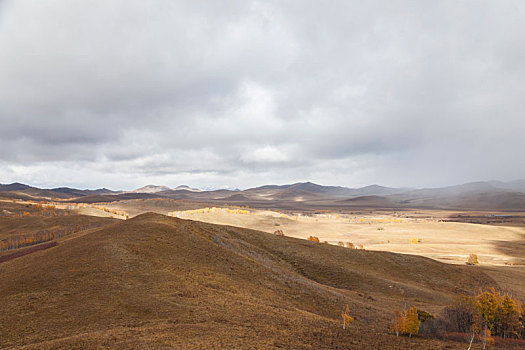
241,93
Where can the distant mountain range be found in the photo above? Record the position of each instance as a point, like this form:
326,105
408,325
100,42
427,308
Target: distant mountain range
486,195
14,189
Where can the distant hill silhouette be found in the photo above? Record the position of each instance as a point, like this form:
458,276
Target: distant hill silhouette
483,195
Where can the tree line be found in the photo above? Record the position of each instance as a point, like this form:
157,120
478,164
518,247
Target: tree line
480,317
15,242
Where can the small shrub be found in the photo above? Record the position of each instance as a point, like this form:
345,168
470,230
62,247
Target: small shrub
461,315
434,326
424,316
279,233
350,245
341,244
313,239
472,259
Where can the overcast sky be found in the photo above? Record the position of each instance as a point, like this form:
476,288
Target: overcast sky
120,94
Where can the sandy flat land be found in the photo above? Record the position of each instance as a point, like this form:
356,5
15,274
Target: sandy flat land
425,235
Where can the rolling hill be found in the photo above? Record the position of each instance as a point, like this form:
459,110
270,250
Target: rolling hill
26,191
160,282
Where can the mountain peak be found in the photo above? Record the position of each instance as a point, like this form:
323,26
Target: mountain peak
151,189
188,188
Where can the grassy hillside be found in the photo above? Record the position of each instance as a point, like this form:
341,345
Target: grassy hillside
160,282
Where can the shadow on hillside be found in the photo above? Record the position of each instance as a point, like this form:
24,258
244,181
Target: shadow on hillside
513,249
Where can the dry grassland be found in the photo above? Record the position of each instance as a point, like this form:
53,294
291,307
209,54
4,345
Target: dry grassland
421,233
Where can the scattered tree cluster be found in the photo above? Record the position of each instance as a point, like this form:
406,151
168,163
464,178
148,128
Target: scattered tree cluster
41,210
46,210
237,210
109,210
351,245
15,242
481,317
407,322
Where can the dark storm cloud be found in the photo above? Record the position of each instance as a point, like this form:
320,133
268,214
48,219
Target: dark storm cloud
240,93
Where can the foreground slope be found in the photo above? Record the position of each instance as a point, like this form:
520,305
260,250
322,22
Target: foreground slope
162,282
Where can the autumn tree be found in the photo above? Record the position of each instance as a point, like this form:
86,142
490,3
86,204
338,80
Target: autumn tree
347,319
407,322
507,321
472,259
487,314
398,325
411,322
487,303
462,314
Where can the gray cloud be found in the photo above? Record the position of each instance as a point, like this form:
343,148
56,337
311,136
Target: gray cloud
241,93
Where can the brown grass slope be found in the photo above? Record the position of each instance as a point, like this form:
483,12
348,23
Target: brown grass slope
105,198
160,282
15,226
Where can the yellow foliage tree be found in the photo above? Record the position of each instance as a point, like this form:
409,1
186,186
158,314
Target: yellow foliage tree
487,304
509,317
399,323
488,313
407,322
347,319
411,322
472,259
